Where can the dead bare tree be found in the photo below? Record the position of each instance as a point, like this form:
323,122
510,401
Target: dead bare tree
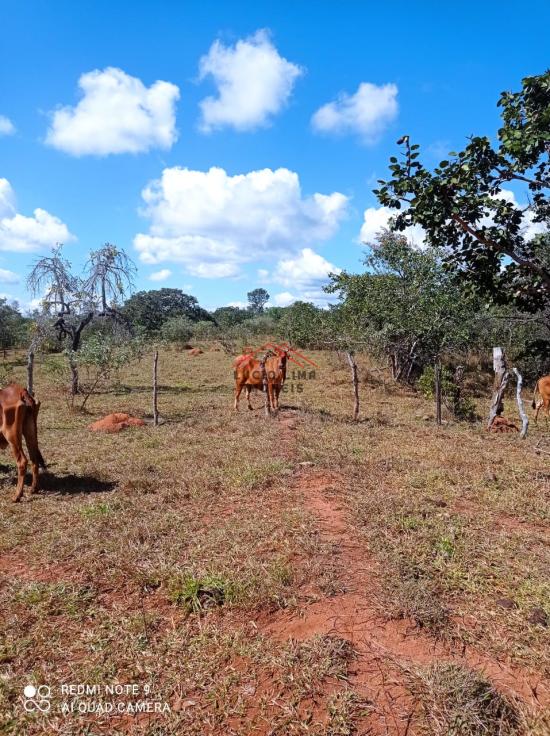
73,302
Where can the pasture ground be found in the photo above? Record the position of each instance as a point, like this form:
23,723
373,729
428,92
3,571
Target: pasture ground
298,575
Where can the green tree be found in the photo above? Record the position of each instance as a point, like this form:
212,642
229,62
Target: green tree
257,299
13,325
226,317
462,209
302,325
151,309
406,306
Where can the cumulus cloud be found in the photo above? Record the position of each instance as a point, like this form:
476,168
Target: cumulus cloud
161,275
6,126
253,80
23,234
8,277
376,219
117,114
213,223
306,274
284,299
366,113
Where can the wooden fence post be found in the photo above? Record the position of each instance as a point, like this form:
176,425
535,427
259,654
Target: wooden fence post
522,412
437,387
155,389
501,381
30,372
355,382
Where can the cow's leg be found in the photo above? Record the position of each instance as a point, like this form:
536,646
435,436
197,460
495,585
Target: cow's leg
248,390
31,438
238,389
21,460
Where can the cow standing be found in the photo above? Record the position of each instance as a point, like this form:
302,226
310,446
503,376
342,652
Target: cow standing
18,419
542,388
269,373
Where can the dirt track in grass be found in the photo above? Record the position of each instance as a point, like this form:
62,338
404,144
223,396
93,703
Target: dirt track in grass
349,559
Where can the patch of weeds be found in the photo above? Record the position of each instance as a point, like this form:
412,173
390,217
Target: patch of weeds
255,475
47,599
197,594
445,547
410,592
344,708
305,665
409,522
457,700
95,510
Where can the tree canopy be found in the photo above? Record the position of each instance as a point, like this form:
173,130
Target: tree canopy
406,306
257,299
151,309
463,209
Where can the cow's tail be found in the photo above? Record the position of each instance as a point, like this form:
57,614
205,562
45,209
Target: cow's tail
535,392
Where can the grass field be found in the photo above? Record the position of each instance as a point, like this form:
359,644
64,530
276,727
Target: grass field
295,575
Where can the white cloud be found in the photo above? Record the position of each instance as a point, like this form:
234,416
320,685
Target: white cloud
240,305
284,299
23,234
254,83
529,227
8,277
309,269
366,113
378,218
117,114
305,274
161,275
6,126
213,223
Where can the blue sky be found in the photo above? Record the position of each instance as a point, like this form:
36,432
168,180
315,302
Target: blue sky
229,145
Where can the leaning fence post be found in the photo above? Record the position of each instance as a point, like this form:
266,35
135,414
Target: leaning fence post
155,389
501,381
267,406
437,381
522,413
355,382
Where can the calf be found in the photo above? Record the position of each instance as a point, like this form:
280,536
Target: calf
18,415
252,373
543,389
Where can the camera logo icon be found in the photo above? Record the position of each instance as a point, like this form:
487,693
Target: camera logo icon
37,698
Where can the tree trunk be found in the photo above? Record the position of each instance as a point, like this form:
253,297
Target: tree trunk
74,376
155,389
522,413
355,382
30,372
500,383
437,382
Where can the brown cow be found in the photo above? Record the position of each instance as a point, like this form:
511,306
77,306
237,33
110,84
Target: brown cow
18,414
543,388
250,373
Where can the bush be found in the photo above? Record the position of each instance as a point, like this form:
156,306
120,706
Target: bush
463,408
178,330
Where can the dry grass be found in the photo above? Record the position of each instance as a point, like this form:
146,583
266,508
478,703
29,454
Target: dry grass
153,556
